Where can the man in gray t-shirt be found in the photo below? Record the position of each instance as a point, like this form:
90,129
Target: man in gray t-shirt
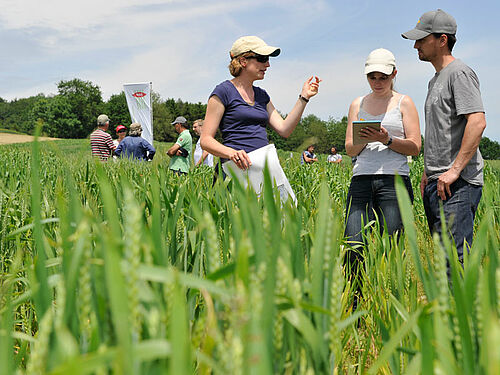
454,124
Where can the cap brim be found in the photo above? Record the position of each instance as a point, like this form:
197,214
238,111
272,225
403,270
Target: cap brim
379,68
267,51
415,34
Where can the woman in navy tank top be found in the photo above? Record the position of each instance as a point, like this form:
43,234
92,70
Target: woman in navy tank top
242,111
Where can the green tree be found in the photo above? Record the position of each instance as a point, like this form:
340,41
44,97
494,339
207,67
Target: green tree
490,150
57,117
16,114
117,110
163,131
86,103
166,112
336,133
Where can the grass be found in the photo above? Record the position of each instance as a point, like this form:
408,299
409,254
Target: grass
126,268
10,131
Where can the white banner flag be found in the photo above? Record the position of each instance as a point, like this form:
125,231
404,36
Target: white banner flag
140,107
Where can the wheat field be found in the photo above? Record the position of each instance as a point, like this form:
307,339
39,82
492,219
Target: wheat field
125,268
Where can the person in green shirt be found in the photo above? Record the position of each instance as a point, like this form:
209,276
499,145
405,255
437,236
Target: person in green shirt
180,152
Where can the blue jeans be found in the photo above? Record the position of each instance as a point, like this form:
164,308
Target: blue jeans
370,193
459,211
367,194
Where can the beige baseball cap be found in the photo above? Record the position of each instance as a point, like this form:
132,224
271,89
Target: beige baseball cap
102,119
135,129
380,60
252,44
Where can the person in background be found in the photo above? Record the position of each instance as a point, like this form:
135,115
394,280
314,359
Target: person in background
180,152
334,157
201,156
101,142
454,124
308,156
134,146
380,158
121,132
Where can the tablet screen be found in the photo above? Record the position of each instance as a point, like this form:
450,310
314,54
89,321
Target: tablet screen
357,126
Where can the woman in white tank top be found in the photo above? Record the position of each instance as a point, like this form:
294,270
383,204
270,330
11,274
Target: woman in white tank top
382,156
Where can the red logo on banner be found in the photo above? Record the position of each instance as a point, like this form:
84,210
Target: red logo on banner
139,94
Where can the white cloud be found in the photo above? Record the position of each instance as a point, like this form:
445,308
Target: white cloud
182,46
64,15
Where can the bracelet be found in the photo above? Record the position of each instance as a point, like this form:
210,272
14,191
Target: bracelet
304,99
389,142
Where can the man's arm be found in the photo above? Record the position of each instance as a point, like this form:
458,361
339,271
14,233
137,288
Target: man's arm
118,150
476,123
172,151
202,159
307,159
150,149
110,144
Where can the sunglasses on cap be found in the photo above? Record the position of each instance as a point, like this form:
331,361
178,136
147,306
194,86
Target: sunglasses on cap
260,58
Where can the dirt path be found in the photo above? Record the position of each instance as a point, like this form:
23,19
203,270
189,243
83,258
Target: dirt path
7,138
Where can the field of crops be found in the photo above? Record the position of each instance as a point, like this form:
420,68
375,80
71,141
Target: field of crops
124,268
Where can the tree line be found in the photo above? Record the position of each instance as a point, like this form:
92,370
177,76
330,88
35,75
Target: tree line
72,113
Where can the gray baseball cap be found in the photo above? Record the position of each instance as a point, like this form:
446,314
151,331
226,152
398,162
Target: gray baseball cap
180,120
435,21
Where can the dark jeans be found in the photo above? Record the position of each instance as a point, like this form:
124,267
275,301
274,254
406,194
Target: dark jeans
373,193
459,211
367,194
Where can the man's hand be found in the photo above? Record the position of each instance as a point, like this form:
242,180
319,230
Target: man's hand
444,182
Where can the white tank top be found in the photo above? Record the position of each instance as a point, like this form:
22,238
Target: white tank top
376,158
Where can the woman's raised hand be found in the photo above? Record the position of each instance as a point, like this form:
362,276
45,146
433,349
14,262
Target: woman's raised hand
311,87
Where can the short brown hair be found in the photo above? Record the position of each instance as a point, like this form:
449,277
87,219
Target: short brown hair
235,66
452,39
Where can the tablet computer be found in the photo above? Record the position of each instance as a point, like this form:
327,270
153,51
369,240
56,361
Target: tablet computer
357,126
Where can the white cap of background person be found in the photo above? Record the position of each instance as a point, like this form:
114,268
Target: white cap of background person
254,44
102,120
380,60
180,120
433,22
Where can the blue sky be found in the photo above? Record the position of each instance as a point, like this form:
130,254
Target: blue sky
182,47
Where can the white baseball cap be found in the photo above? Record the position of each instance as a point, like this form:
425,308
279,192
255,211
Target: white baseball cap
380,60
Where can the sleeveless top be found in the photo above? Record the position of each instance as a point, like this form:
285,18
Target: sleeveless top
376,158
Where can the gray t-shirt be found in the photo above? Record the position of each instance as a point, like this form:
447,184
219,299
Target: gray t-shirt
453,93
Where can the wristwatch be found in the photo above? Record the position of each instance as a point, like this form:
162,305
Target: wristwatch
304,99
389,142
